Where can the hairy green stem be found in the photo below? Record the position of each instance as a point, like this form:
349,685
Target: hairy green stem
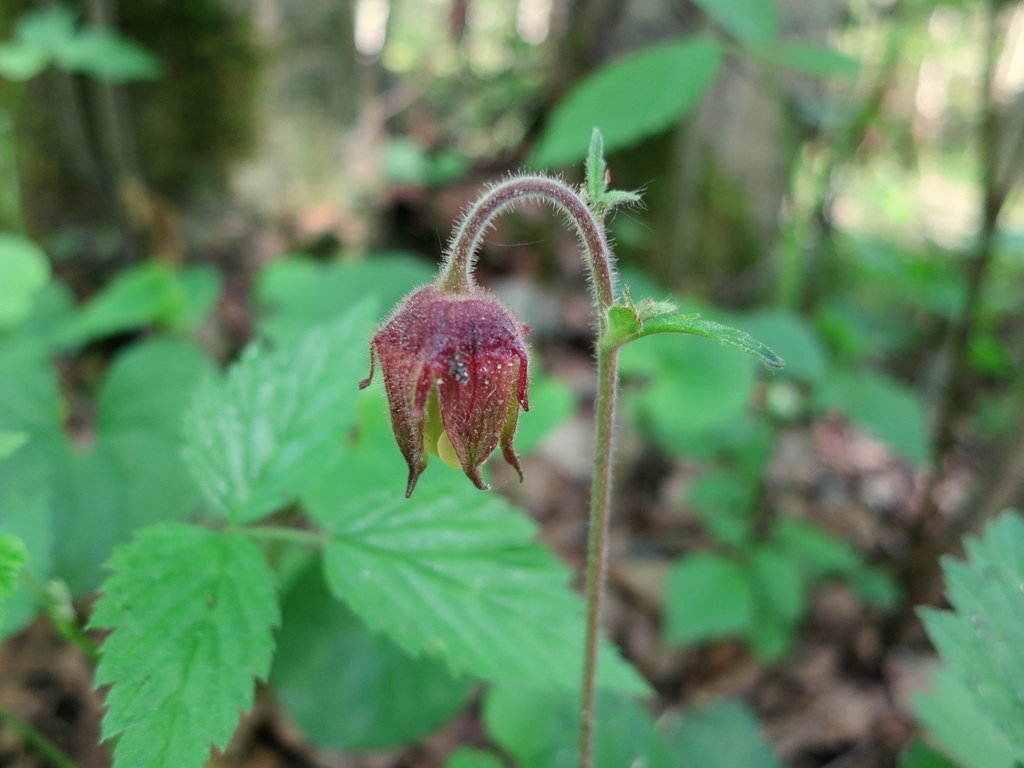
457,275
460,256
597,539
62,615
53,754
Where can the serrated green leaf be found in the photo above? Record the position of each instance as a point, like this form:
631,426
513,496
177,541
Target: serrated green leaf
981,640
192,613
883,407
693,324
629,99
24,271
753,22
707,596
819,60
458,575
725,735
326,663
792,339
13,557
256,438
957,726
541,730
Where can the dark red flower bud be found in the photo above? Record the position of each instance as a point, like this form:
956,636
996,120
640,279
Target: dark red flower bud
456,371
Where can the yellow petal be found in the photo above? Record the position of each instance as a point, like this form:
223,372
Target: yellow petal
447,452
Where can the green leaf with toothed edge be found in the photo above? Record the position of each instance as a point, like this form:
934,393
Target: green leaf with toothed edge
458,575
981,638
256,438
629,322
193,613
693,324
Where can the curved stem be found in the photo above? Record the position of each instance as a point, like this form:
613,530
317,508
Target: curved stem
457,275
460,256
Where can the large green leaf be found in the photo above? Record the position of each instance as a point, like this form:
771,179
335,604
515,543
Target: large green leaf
884,408
629,99
192,612
694,387
982,639
328,661
457,574
90,515
819,60
257,437
140,404
753,22
955,724
707,596
24,271
135,298
30,399
779,595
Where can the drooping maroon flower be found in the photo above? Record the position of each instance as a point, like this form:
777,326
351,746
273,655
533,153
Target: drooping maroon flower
455,370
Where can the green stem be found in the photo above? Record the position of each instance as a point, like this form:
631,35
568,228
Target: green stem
53,754
61,613
597,540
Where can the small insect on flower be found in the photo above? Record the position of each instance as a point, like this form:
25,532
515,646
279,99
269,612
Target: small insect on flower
455,368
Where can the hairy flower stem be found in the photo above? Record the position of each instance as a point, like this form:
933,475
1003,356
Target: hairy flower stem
456,275
597,539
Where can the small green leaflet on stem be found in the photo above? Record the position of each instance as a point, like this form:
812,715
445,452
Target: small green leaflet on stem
13,557
628,322
601,199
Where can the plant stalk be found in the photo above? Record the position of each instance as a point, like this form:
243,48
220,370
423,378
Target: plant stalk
597,540
37,740
457,275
